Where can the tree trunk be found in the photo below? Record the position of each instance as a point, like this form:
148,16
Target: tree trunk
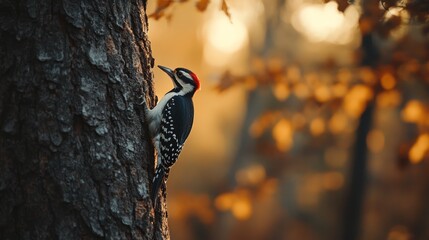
357,177
75,155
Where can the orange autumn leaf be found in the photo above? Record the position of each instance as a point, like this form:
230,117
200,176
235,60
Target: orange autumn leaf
202,5
227,80
157,15
261,124
161,5
225,9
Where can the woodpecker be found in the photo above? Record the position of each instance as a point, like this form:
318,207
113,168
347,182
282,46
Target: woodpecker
170,122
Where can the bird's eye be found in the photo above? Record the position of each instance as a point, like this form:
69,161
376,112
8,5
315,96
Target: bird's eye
179,74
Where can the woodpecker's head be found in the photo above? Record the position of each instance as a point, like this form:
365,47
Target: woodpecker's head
183,79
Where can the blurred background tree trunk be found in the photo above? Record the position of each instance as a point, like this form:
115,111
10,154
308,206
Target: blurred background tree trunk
75,155
355,191
357,177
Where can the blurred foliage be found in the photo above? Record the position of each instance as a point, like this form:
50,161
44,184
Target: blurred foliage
162,7
343,93
396,13
417,10
316,108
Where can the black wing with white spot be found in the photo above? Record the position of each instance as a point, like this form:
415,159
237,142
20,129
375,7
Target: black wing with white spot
176,124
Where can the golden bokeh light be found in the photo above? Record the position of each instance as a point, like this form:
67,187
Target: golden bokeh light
338,123
375,140
322,93
419,149
224,201
413,111
317,126
281,91
224,35
390,98
356,100
339,90
223,38
388,81
301,90
399,232
238,202
283,135
242,209
185,205
260,125
324,23
251,175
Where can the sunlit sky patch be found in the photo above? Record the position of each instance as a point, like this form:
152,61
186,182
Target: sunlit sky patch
322,22
226,39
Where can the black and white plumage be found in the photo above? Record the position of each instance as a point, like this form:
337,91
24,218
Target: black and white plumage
170,123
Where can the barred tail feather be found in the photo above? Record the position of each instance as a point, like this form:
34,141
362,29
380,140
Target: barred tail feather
156,184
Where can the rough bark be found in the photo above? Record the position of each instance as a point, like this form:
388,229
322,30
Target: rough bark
75,155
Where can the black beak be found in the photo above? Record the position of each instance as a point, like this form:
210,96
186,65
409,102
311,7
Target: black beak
168,71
